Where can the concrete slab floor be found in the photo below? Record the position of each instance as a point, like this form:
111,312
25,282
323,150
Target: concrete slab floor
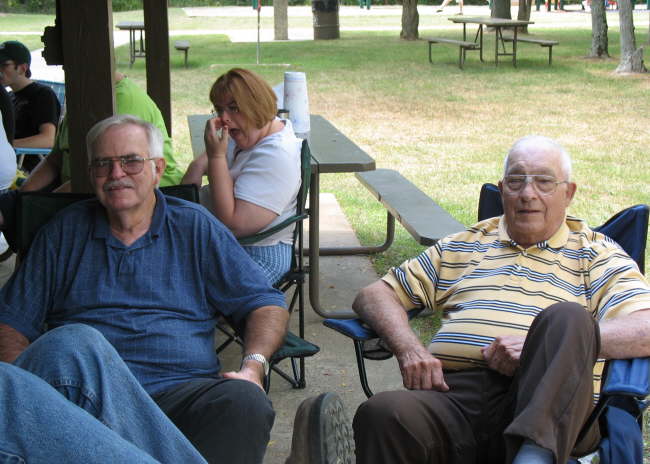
334,367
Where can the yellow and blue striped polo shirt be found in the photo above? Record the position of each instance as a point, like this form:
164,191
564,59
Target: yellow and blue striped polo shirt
487,286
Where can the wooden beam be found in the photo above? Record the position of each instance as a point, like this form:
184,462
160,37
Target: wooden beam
156,26
87,36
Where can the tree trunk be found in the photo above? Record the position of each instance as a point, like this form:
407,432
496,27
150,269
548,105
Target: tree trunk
501,9
280,20
599,41
631,57
523,13
410,20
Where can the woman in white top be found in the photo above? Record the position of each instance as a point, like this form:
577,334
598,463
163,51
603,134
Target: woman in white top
252,160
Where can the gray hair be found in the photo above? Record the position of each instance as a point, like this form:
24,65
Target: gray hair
540,142
154,137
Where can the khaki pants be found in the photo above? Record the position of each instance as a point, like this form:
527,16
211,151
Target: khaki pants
485,416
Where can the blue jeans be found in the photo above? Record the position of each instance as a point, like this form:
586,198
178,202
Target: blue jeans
74,400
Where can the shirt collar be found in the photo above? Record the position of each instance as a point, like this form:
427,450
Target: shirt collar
557,240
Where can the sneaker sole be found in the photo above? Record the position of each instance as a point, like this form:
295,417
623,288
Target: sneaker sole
330,429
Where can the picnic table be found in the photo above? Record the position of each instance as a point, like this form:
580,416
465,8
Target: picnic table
136,47
332,152
498,24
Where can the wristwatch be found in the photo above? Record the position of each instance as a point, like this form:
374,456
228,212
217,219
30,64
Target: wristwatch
260,359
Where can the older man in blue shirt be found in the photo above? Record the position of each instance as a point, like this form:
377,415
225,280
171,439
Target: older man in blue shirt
146,275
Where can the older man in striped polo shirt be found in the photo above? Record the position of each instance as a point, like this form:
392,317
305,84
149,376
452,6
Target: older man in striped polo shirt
530,301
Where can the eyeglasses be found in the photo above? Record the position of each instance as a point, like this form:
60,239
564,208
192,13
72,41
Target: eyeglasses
130,164
546,185
232,109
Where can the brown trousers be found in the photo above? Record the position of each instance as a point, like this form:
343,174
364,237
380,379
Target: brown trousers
485,416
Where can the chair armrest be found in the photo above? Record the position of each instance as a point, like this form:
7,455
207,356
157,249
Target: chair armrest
32,151
357,329
352,328
630,377
249,240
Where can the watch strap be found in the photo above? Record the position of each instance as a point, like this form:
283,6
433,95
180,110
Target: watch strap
260,358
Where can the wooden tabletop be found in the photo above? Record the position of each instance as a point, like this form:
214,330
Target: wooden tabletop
331,150
130,25
488,21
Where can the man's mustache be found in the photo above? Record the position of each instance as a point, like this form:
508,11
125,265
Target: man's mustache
113,184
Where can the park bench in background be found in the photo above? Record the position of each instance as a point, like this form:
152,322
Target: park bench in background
463,46
184,46
422,217
542,42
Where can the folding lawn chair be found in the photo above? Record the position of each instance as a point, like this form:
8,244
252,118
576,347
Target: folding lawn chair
295,347
622,399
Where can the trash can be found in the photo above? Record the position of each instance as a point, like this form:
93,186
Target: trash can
326,19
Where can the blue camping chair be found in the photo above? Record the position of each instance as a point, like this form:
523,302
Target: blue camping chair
59,91
622,399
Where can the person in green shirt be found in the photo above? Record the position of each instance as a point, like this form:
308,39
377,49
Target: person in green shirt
129,99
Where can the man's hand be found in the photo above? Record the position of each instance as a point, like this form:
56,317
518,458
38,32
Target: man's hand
421,370
251,371
379,306
503,353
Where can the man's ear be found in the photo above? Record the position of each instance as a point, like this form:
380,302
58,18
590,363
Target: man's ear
160,164
570,192
22,69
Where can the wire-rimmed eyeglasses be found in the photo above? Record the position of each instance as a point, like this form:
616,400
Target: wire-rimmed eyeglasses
130,164
545,185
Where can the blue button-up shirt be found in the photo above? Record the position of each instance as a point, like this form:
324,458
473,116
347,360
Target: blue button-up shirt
155,301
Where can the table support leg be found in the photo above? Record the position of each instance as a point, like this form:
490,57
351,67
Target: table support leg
497,35
365,250
480,32
314,264
131,47
514,47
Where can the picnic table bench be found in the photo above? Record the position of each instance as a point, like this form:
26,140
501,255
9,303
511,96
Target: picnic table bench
542,42
463,46
422,217
183,46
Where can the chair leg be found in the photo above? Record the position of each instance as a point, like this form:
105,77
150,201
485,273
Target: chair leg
361,366
282,374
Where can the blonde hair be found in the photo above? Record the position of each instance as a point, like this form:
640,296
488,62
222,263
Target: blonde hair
255,98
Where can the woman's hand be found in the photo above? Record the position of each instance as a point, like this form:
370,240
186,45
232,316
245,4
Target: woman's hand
216,138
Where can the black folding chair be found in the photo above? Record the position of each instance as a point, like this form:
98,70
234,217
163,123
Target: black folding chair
295,347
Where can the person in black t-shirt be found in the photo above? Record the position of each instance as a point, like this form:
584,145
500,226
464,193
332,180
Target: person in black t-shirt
36,107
